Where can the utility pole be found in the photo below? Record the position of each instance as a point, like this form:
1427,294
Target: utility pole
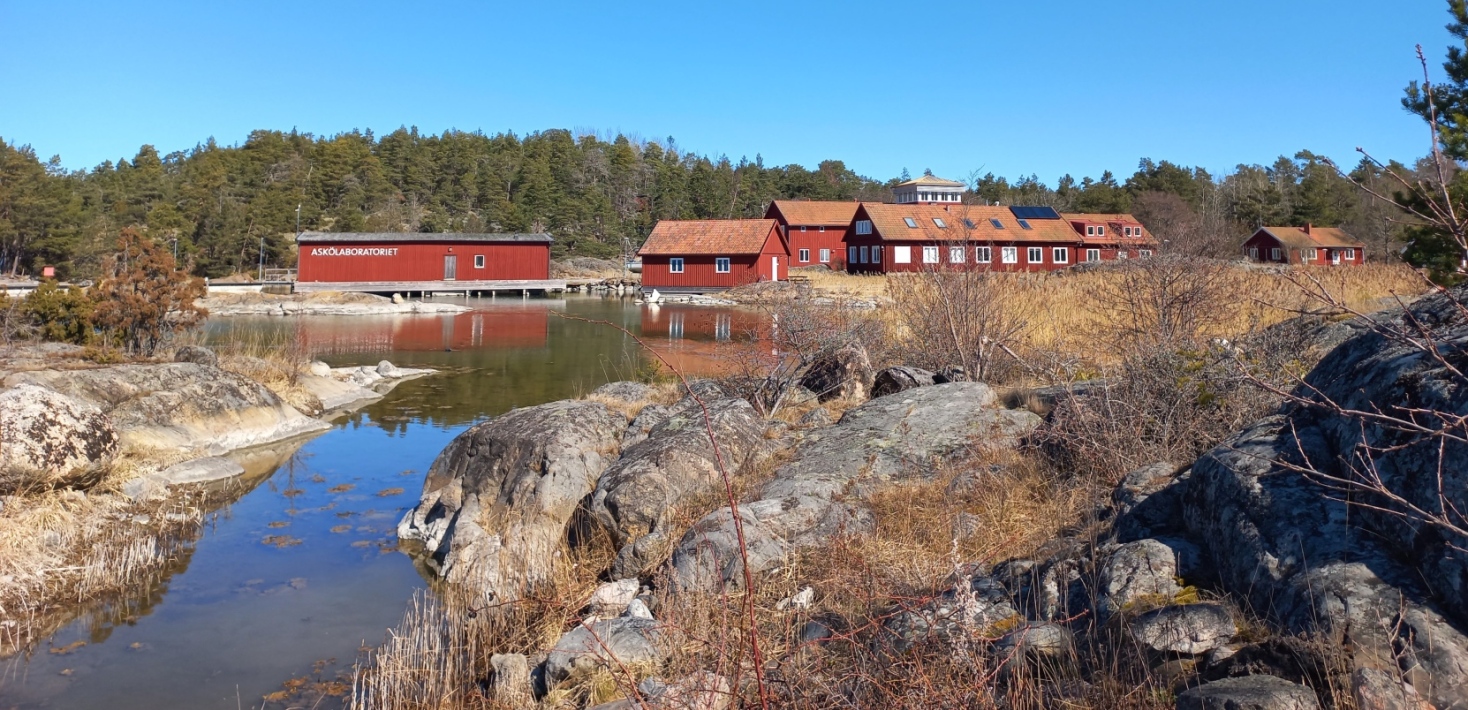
262,259
298,220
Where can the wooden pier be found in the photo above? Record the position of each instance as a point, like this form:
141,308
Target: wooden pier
428,287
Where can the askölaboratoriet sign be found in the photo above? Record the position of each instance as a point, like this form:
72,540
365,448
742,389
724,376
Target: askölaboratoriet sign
354,251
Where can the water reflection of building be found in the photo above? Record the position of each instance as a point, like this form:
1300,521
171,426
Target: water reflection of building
678,322
497,327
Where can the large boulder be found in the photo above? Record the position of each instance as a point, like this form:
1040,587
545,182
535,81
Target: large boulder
497,501
1141,571
889,439
678,460
1254,692
48,433
843,373
623,642
1190,629
180,406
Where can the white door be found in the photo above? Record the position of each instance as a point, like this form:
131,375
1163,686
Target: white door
1335,257
775,268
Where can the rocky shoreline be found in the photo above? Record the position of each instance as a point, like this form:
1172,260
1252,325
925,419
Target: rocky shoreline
321,304
1236,579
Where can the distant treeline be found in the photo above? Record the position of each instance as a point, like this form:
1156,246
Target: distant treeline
594,194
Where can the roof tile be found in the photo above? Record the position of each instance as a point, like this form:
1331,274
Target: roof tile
708,236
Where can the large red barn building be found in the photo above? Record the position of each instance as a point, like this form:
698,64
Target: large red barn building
1308,245
387,261
816,230
695,256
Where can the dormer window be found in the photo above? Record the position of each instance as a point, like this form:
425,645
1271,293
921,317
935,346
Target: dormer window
997,224
911,223
939,221
1090,230
1101,230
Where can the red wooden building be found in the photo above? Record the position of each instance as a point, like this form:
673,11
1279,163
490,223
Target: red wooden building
696,256
421,262
1308,245
888,238
1106,237
815,230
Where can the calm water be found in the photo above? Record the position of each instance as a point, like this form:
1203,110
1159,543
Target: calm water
300,569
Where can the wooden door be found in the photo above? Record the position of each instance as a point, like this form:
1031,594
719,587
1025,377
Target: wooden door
450,267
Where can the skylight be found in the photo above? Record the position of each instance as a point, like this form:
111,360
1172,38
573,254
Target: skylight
997,224
912,223
939,221
969,223
1024,224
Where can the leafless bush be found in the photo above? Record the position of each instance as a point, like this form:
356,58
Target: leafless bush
961,316
1165,301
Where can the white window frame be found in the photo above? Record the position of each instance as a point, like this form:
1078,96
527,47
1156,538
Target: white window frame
1100,230
1009,255
478,261
930,255
802,229
1060,255
955,255
983,255
939,221
1254,253
877,254
1274,253
825,256
1144,252
1314,254
910,222
863,226
1090,230
822,230
902,255
862,253
804,255
1121,254
1350,254
1034,255
675,265
1093,256
851,255
722,265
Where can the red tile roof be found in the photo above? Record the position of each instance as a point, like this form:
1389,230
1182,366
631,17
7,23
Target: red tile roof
1317,237
1113,223
813,213
963,223
708,236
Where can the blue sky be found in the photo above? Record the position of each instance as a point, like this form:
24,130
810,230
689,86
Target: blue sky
1045,86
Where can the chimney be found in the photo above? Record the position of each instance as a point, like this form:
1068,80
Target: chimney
1307,227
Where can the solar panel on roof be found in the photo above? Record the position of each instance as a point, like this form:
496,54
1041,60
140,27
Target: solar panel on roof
1035,212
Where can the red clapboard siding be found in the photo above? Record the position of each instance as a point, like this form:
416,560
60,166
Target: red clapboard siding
422,261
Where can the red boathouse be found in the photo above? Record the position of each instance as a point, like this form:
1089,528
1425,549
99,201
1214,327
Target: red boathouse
697,256
816,230
393,262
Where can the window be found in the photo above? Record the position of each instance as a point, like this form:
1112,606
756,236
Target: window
863,252
955,255
1350,254
1009,255
802,230
864,226
1254,253
1093,255
822,230
997,224
1090,230
721,265
825,256
1126,231
969,223
1101,230
1145,252
804,255
902,255
478,261
1060,255
1035,255
675,265
911,223
851,255
930,255
983,255
1309,254
1121,253
939,221
1274,254
876,254
1025,224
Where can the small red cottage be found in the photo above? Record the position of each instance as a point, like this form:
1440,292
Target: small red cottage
816,231
1107,237
1308,245
696,256
887,238
389,262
